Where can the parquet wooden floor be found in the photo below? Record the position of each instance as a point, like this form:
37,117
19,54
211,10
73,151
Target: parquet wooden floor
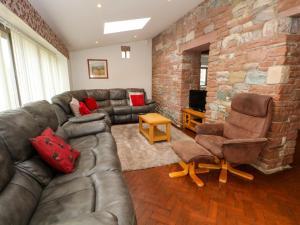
268,200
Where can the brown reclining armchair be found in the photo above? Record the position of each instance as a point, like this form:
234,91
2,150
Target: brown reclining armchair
239,140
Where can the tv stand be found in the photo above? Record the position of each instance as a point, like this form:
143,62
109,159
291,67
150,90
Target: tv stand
191,118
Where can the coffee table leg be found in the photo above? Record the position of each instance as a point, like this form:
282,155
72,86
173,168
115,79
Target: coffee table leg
151,134
140,125
168,131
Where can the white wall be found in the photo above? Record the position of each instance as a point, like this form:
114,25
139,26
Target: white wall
135,72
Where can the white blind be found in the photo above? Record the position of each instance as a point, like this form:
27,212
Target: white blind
41,73
8,88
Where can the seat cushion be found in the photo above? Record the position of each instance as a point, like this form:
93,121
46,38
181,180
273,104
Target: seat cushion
65,201
19,199
189,151
122,110
212,143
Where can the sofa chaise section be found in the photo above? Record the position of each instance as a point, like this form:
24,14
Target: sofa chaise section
33,193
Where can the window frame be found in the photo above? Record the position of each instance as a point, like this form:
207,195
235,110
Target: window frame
7,31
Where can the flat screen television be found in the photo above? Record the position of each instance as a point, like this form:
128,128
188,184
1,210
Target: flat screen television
197,100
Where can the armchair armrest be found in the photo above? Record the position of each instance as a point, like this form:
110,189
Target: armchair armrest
243,151
210,129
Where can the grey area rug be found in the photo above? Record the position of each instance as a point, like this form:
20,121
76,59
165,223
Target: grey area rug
136,153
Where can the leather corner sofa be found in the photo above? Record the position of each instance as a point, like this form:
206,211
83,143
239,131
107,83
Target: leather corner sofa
34,194
115,102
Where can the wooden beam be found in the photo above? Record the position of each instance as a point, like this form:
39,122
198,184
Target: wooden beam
293,12
199,44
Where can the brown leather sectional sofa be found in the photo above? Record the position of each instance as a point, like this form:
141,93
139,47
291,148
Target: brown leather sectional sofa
114,102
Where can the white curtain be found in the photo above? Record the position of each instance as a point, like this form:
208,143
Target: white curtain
41,73
8,89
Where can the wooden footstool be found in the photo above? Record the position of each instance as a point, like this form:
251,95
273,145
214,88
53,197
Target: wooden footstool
152,133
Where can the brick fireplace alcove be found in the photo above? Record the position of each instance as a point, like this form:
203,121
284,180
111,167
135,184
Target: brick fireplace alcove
255,49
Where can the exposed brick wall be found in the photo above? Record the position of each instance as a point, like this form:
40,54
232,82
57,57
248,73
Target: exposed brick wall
287,4
30,16
255,51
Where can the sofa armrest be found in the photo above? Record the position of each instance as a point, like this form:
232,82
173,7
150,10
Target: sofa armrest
243,151
210,129
95,218
149,101
88,118
74,130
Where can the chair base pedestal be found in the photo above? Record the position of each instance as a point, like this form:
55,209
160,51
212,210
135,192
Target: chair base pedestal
225,166
189,169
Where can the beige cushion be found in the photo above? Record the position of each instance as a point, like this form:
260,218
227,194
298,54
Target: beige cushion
212,143
74,105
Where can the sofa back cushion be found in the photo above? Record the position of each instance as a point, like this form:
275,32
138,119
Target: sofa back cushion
118,97
139,90
43,114
63,101
16,127
101,96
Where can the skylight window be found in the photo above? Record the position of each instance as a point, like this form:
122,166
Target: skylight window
125,25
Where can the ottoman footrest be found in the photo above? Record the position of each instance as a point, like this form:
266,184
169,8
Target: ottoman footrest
190,151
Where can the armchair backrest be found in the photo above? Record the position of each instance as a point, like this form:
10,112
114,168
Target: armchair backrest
250,116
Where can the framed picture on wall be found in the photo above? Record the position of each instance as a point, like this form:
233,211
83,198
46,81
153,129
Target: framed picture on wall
98,68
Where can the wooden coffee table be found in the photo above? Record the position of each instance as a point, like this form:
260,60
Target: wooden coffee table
152,133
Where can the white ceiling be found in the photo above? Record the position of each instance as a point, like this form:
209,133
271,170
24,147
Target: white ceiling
79,23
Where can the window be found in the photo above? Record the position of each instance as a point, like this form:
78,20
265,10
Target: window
8,89
203,69
29,71
125,52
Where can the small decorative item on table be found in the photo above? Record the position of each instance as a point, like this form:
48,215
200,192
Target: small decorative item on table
98,68
152,133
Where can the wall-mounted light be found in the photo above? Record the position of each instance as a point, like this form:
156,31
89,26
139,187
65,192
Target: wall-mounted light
125,52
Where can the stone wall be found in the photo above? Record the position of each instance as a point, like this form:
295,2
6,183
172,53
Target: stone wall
255,51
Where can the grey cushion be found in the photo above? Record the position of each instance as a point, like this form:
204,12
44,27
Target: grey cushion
88,118
19,199
16,127
43,113
140,109
80,95
117,94
82,129
98,94
6,168
122,110
63,101
95,218
65,201
37,169
121,102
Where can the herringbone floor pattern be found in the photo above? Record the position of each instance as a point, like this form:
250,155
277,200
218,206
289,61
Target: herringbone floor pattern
268,200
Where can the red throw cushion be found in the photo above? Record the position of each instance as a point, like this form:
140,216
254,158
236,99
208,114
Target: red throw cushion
83,109
137,99
49,133
91,103
56,155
